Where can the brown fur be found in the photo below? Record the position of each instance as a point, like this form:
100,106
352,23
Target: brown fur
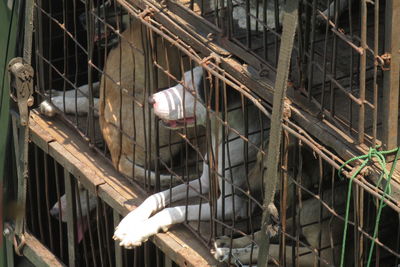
125,66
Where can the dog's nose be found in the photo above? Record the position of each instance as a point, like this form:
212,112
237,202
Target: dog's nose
152,101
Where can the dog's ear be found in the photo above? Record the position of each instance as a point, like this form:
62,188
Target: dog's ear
193,78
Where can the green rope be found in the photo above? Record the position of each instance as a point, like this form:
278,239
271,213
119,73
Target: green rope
373,153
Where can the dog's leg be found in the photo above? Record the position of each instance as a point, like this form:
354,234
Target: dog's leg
159,201
140,232
136,228
58,101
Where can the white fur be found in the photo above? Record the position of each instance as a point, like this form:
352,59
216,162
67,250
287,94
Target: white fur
139,225
58,98
60,207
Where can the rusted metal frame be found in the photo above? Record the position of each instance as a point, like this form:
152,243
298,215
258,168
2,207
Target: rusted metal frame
362,75
285,53
391,76
71,218
34,250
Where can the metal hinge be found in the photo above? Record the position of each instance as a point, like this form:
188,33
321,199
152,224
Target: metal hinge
21,90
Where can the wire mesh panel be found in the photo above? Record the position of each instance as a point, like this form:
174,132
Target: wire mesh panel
342,64
341,56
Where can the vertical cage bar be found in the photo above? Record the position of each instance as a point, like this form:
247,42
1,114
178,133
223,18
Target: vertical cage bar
376,51
363,67
118,249
71,219
391,76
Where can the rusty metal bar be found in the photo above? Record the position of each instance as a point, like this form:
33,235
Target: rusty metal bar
363,65
117,247
71,218
391,77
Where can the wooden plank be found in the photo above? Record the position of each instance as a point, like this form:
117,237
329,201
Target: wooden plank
93,171
34,251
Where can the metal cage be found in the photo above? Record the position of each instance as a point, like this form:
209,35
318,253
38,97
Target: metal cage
97,64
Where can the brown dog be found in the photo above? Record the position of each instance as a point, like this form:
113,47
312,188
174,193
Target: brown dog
124,112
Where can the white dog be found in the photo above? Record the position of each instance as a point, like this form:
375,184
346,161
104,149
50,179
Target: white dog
179,106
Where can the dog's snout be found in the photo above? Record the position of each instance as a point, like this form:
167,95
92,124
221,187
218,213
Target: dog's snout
152,101
55,212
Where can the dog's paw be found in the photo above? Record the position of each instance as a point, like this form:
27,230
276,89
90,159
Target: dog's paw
47,109
136,234
220,253
134,220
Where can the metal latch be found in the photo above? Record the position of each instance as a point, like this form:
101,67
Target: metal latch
21,80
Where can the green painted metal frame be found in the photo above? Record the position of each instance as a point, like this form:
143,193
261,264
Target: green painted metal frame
9,30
